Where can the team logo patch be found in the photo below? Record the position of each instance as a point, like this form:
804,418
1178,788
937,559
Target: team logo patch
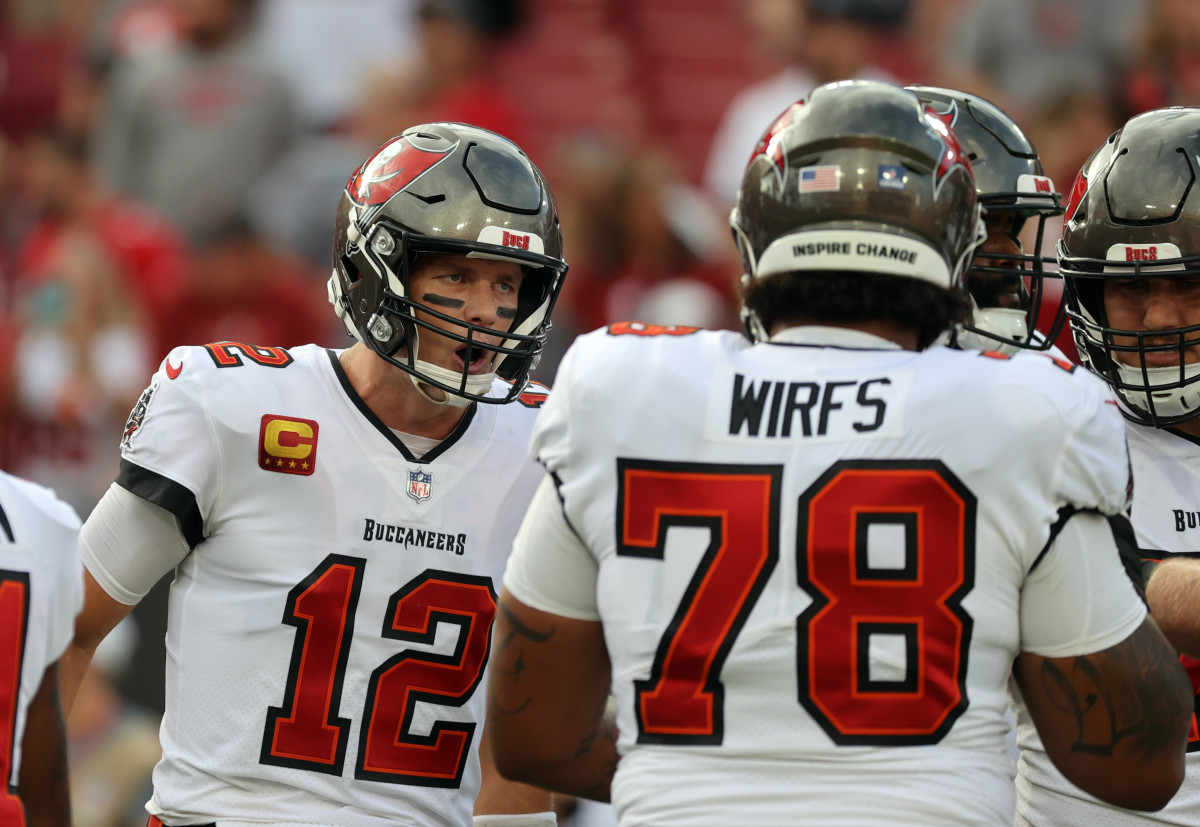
287,445
892,177
138,415
420,485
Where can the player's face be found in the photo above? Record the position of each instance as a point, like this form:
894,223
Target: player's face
1150,304
994,289
480,291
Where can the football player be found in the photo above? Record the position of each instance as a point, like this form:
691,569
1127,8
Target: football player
337,520
41,592
806,565
1130,257
1008,287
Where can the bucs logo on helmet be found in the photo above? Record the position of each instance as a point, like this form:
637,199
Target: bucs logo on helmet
771,143
1077,192
396,165
953,154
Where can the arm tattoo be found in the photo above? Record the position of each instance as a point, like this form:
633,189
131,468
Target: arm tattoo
604,733
1107,713
511,664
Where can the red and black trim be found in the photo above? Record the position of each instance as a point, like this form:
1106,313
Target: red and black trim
14,621
682,701
225,355
388,749
919,601
305,732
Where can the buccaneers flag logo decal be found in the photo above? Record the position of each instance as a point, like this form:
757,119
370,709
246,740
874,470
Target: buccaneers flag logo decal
396,165
771,143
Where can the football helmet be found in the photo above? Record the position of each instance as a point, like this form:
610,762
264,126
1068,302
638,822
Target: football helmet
857,177
1013,188
446,188
1134,213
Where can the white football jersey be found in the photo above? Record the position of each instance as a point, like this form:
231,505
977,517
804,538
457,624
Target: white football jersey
1166,521
41,592
815,561
329,630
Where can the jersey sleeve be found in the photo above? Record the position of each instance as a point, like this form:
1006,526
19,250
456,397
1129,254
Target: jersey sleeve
550,568
171,454
1094,469
128,544
1079,599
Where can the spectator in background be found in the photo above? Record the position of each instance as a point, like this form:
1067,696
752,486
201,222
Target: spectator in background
63,192
291,205
325,47
241,289
1166,70
1020,54
678,265
647,245
191,131
814,42
89,275
456,50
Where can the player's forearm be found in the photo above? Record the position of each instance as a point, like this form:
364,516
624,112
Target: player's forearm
72,666
1114,722
548,717
1173,593
585,769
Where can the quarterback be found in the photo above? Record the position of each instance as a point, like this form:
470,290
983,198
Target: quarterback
338,520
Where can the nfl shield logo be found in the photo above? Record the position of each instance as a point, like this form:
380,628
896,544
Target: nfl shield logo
420,485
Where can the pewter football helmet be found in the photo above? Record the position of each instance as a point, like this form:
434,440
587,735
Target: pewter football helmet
1012,186
446,188
857,176
1133,214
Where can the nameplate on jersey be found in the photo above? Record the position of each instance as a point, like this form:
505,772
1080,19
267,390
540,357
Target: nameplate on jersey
744,407
287,445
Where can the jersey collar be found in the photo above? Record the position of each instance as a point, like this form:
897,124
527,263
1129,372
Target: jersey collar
822,336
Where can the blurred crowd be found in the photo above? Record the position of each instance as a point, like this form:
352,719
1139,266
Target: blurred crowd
169,168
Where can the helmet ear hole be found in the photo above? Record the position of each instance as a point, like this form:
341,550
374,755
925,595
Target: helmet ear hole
353,274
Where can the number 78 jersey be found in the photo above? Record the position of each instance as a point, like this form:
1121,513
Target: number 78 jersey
330,626
809,563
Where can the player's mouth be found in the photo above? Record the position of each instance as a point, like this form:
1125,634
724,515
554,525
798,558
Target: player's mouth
481,360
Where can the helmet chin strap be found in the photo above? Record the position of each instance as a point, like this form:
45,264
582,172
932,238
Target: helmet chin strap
1148,394
478,384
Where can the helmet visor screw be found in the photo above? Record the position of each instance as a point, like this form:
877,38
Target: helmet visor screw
381,329
383,243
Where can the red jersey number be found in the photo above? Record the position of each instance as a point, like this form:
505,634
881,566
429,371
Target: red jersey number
306,732
914,602
14,620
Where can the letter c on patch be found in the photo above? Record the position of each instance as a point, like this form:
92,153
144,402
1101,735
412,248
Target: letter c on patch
287,445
